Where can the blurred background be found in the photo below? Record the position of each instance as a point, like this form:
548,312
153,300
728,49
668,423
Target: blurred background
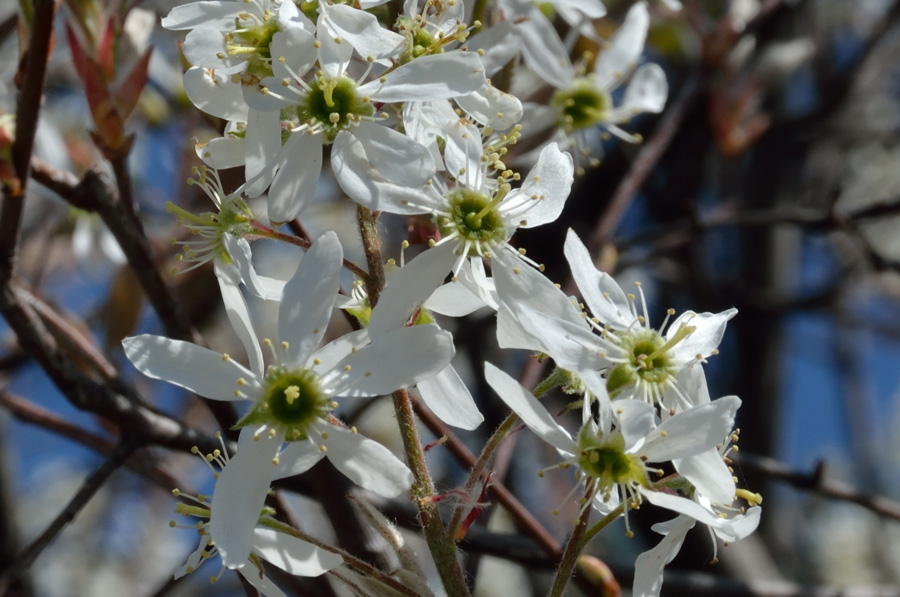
770,183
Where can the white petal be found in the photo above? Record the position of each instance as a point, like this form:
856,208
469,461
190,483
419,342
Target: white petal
648,568
203,47
528,288
646,92
636,420
364,183
333,57
409,288
239,316
709,474
501,43
572,346
605,298
264,287
297,47
591,9
492,107
447,397
309,297
397,359
621,55
543,51
263,141
239,497
209,15
432,77
262,583
532,413
298,457
192,367
396,156
367,463
332,353
692,431
463,153
295,183
710,327
215,94
691,508
293,555
453,300
362,31
542,196
222,153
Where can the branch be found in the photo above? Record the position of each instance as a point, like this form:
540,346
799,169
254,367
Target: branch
27,110
90,487
816,482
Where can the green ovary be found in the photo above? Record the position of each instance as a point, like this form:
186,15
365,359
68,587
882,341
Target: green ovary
581,106
475,217
648,361
291,402
335,104
605,459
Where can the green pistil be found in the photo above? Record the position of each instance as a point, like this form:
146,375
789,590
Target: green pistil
581,106
335,104
475,216
648,359
291,402
605,459
253,42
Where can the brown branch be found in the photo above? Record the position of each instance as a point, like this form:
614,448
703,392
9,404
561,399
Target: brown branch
27,110
88,489
29,412
816,482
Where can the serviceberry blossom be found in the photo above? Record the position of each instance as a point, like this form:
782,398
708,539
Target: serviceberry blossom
293,398
473,210
584,102
637,360
612,456
291,554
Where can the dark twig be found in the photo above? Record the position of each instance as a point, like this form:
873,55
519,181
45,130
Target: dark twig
816,481
88,489
27,110
30,412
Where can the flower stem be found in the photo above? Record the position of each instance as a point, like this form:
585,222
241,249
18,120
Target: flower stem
360,566
573,548
440,543
501,432
601,524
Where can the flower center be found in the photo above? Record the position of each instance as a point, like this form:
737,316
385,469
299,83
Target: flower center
333,104
252,42
582,105
475,218
605,460
291,402
647,361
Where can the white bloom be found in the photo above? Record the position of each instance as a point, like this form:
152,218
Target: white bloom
293,398
612,454
292,555
584,102
474,211
638,361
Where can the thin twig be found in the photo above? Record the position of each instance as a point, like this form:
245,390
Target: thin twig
88,489
816,482
27,110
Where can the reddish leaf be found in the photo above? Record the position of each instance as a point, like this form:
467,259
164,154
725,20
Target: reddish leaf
130,90
106,51
79,58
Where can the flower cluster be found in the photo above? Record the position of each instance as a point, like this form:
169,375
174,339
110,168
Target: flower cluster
410,124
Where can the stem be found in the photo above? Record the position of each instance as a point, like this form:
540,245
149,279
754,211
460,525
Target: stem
486,454
479,11
573,548
602,524
264,231
359,565
440,543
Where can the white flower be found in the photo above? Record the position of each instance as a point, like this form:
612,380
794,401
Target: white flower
611,455
638,361
584,102
292,555
474,211
293,398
